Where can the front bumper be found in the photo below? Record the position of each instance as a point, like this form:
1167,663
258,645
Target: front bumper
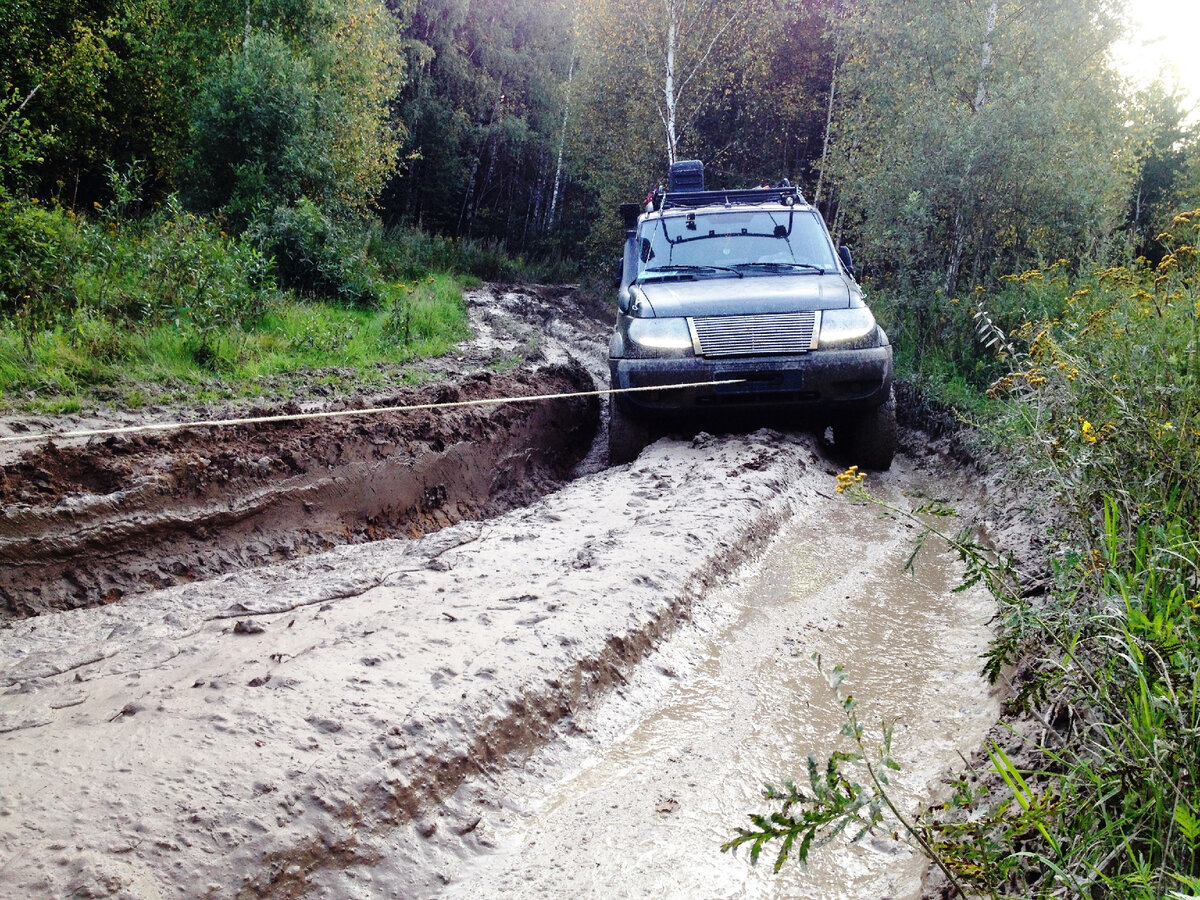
820,381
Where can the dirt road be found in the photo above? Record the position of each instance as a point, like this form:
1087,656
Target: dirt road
381,717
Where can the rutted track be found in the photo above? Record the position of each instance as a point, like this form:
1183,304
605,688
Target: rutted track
334,725
88,525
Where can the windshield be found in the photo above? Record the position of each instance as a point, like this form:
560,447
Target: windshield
741,240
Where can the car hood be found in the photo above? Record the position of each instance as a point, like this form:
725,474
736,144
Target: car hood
752,294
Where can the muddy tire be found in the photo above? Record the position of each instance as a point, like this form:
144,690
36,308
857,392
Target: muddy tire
869,440
627,435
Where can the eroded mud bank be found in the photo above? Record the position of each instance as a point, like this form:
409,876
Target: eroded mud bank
89,524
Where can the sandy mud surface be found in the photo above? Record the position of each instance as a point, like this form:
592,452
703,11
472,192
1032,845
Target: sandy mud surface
396,714
637,799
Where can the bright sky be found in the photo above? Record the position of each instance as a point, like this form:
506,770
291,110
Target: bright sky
1166,39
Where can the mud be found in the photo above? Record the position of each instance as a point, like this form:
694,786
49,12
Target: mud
91,525
84,524
260,732
349,723
637,800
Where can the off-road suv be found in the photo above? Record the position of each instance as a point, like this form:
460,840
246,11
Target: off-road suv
741,296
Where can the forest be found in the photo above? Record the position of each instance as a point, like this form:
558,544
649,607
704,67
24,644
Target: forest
950,143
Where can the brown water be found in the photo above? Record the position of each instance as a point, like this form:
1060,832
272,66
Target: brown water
669,769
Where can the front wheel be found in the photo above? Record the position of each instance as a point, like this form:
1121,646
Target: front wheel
627,435
869,439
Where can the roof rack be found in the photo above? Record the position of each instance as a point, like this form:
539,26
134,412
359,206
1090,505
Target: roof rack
672,199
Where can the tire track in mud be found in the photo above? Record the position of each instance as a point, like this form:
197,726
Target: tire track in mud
260,760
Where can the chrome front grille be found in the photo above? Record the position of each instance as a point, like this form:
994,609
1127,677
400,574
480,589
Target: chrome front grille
754,335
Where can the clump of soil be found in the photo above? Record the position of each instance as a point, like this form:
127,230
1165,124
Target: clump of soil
81,526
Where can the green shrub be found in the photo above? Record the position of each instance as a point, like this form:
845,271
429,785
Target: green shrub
255,140
1102,404
316,256
38,249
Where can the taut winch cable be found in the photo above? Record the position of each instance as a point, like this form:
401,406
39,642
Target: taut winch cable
340,413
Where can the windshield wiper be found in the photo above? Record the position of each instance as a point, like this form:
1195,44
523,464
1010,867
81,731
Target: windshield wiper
776,266
663,269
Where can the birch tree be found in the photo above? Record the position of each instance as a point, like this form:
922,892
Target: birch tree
668,51
973,136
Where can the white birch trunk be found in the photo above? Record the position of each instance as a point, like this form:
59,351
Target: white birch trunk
828,129
985,65
669,99
562,143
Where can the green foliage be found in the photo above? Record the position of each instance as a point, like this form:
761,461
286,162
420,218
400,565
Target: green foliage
426,317
1165,150
188,87
485,110
406,254
1101,401
973,138
281,118
835,802
37,248
64,277
20,144
315,255
255,141
55,370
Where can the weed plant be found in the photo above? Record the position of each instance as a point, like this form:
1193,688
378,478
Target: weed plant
1100,399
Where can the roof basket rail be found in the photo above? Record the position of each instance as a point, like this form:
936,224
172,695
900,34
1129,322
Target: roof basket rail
788,195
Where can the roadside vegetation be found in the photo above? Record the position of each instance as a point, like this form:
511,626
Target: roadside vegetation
1101,402
1098,403
166,305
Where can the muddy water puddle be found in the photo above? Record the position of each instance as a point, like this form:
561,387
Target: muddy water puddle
665,772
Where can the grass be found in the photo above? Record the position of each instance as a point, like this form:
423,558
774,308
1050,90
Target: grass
166,307
57,369
140,308
1096,393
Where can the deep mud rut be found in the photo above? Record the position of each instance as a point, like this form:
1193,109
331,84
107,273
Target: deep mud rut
420,680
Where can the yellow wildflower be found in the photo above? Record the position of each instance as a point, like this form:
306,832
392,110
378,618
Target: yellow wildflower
849,478
1089,432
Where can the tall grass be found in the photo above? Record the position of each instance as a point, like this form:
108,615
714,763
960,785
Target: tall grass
1101,400
406,253
1098,396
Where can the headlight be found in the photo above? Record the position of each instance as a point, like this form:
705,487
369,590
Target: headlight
847,329
650,338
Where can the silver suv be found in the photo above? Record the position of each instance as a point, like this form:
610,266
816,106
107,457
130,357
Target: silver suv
737,300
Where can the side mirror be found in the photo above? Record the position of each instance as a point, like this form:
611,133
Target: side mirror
618,269
847,259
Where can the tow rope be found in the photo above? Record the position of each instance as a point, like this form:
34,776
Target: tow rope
341,413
